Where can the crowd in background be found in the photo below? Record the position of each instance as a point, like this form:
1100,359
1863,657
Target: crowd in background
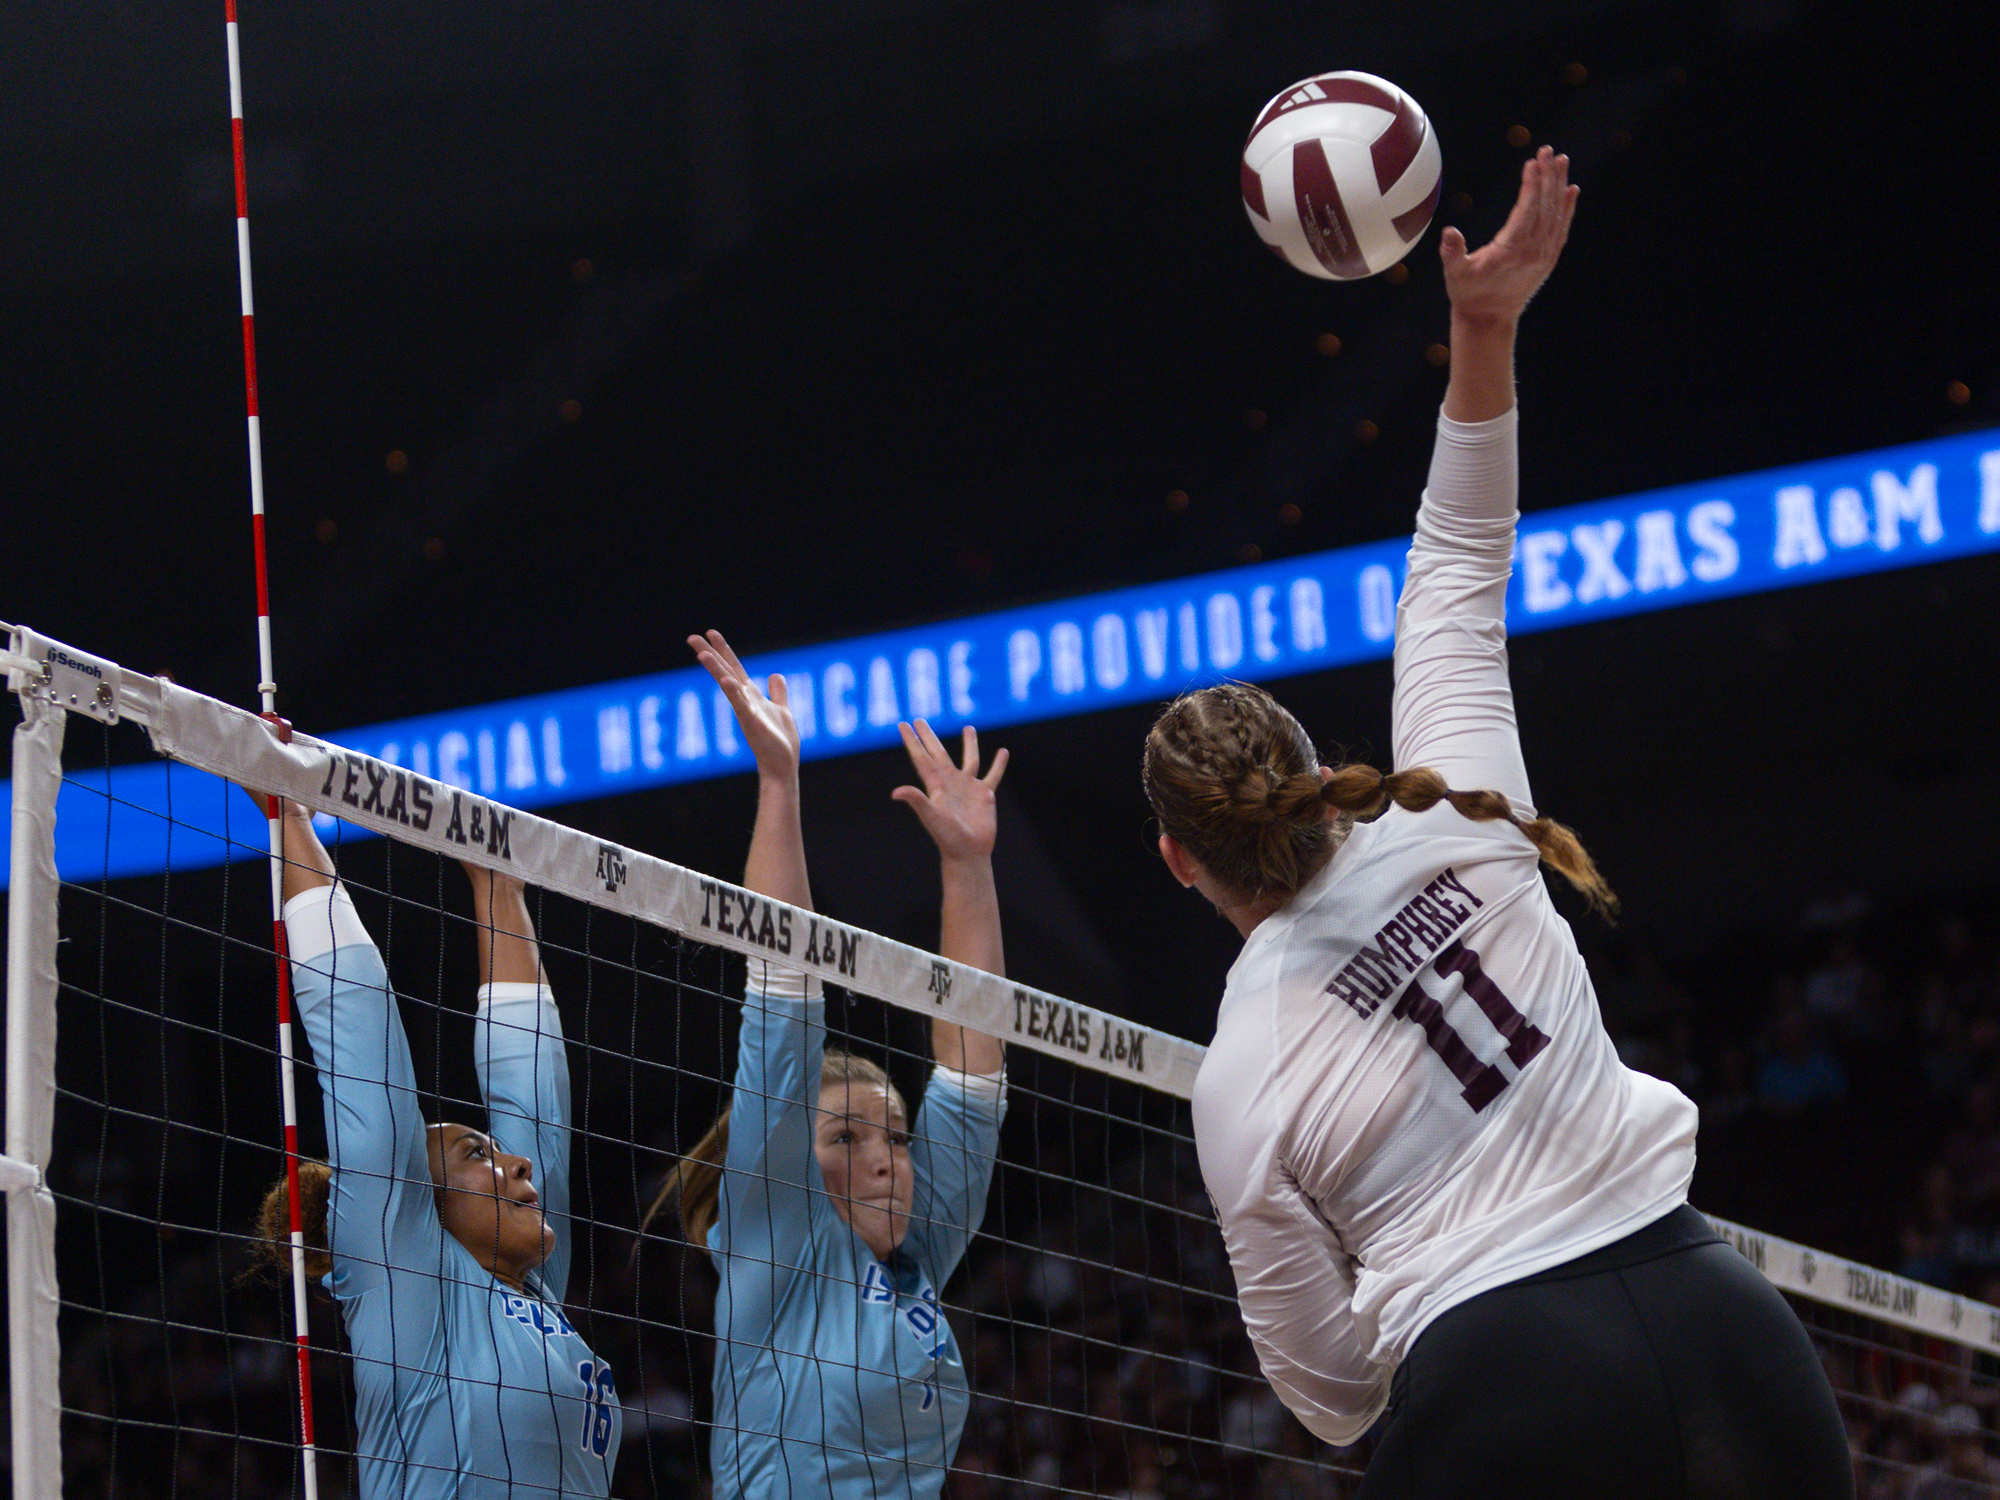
1848,1073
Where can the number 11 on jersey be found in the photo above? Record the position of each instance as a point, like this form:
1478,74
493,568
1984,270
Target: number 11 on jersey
1480,1082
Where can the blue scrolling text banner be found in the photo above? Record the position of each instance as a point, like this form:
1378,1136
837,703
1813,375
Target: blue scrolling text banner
1831,519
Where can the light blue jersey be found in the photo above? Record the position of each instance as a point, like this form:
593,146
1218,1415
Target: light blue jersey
836,1373
464,1388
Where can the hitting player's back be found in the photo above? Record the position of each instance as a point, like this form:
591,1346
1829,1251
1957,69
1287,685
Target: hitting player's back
1532,1144
1422,1102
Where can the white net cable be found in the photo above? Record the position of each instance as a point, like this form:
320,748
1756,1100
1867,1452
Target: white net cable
1093,1308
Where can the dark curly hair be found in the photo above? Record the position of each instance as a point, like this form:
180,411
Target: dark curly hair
273,1250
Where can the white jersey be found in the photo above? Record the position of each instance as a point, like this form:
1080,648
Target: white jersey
1411,1098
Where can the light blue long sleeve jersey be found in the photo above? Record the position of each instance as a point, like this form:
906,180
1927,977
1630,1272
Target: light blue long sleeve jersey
465,1389
836,1373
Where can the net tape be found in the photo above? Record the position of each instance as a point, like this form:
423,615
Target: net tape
459,824
453,821
1833,1282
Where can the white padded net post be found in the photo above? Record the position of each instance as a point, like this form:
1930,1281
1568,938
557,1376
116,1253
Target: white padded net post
32,1295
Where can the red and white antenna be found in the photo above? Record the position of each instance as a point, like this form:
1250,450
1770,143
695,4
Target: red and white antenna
267,690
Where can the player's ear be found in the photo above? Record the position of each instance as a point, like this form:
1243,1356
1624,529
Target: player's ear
1180,863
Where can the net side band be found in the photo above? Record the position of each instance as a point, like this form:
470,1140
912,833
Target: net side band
34,1298
396,802
1820,1277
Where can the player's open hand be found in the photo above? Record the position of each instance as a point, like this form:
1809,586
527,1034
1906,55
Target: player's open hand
767,723
1496,281
955,803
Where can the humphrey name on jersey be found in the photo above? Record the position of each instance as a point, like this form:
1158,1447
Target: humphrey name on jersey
398,796
1404,944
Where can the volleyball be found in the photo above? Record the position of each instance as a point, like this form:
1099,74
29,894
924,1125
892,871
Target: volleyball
1341,175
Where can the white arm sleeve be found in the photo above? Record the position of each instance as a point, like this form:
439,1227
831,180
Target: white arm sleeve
777,982
1294,1282
320,920
1297,1296
1453,708
988,1088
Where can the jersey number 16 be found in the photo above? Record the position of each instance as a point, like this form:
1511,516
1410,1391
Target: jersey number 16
600,1394
1480,1082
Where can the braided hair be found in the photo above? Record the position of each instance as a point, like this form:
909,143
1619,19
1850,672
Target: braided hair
1235,780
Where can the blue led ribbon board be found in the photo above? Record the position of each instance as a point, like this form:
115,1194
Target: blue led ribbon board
1863,513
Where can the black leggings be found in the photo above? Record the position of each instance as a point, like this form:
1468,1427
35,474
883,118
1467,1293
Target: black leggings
1662,1367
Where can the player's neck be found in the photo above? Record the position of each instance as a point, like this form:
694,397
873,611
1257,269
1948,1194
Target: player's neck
1247,917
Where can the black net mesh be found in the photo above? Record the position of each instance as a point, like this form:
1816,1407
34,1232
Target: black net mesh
1093,1309
1917,1408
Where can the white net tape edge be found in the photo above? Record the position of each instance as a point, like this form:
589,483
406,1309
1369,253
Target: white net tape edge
1828,1279
453,821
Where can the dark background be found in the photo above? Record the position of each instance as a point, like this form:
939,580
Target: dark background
580,329
584,327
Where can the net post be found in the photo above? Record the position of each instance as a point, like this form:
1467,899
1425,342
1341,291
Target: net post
34,1358
267,692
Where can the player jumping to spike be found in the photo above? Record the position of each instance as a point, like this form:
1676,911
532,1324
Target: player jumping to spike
1442,1193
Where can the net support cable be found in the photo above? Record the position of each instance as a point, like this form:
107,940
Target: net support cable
53,679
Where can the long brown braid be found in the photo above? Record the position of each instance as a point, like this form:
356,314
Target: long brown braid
1234,778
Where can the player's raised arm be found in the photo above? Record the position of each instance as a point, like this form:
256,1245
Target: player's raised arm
1454,706
776,865
957,1134
752,1177
520,1057
1491,287
380,1208
955,803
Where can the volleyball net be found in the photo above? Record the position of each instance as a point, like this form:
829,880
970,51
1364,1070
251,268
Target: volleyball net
1094,1309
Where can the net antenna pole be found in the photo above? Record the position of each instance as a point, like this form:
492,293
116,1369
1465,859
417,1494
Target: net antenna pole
267,692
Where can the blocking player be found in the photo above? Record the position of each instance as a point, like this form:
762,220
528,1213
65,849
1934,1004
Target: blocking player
447,1248
832,1216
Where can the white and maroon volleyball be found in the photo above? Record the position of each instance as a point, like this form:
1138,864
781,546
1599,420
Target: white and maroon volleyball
1341,175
